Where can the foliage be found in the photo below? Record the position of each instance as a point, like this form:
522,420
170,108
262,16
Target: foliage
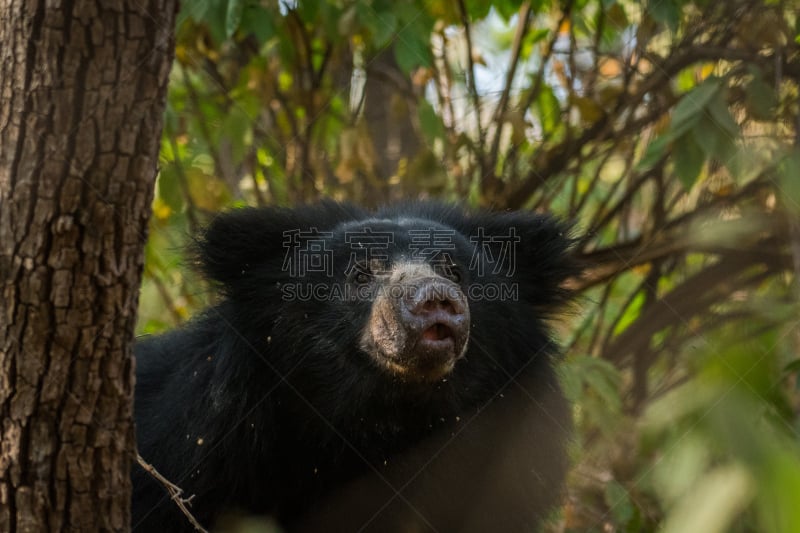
668,130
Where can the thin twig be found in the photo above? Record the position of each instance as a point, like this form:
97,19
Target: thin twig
211,145
174,493
471,87
191,208
165,295
523,22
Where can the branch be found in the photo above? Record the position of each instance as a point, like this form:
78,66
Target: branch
669,240
472,89
524,18
191,208
165,295
692,297
174,493
537,82
560,156
212,146
663,70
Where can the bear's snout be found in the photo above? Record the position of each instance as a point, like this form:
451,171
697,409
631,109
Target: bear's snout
433,295
435,313
419,328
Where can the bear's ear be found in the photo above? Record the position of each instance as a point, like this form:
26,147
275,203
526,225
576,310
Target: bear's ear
238,240
530,249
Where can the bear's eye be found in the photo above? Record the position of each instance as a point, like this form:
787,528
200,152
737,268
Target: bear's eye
362,277
449,271
453,274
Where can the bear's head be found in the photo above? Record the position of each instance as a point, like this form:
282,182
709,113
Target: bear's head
407,292
409,277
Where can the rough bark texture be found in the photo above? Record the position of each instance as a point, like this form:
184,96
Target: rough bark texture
82,92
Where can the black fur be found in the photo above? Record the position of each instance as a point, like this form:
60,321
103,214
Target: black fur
264,405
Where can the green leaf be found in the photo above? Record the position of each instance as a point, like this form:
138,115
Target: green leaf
192,10
477,9
688,110
597,374
540,5
413,39
789,172
329,15
760,99
631,313
570,377
380,24
235,129
309,10
722,117
534,36
686,80
233,16
429,121
654,152
797,30
172,117
168,186
411,50
257,21
549,109
216,18
686,116
619,501
605,386
667,12
716,131
688,159
506,8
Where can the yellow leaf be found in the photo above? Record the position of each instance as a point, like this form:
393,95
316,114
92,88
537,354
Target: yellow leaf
706,70
161,210
588,108
181,54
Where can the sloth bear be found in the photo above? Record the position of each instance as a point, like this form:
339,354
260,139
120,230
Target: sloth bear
385,371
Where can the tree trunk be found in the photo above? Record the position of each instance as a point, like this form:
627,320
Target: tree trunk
388,107
82,92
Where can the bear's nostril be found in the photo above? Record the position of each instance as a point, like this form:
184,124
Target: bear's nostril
432,304
434,297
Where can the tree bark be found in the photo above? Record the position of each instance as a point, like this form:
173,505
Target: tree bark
82,93
387,112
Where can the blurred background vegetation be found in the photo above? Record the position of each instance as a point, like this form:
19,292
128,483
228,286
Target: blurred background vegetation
669,130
